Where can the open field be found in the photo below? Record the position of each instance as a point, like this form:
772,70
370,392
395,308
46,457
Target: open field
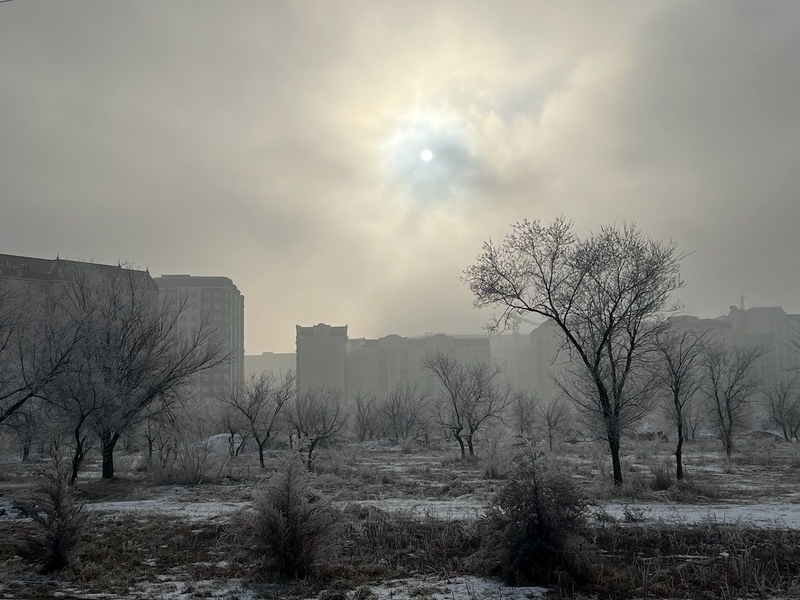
411,520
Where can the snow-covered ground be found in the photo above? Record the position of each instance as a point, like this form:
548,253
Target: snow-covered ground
192,511
460,588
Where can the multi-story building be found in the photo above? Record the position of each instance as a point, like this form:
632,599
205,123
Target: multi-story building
278,363
41,274
321,358
512,354
327,358
770,328
219,302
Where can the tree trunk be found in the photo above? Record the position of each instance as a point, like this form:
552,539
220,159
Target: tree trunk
261,452
457,435
310,454
615,462
26,450
149,443
679,452
108,442
550,437
469,444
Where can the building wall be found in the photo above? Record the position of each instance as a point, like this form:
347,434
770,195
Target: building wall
278,363
220,301
327,358
321,358
512,353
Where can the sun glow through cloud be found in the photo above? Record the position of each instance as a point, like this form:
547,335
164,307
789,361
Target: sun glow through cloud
426,155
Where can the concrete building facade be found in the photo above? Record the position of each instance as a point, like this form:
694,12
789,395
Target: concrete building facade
218,300
321,358
43,274
277,363
326,357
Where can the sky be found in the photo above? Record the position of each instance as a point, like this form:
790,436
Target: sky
279,144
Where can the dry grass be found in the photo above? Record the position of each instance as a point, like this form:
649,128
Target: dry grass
702,561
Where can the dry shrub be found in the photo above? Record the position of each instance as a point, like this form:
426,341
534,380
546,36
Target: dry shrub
192,460
293,523
59,521
692,490
535,528
661,477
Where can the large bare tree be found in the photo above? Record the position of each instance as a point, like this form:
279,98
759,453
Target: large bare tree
606,294
37,344
470,395
730,385
678,373
138,353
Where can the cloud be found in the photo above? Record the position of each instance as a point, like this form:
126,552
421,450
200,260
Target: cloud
278,144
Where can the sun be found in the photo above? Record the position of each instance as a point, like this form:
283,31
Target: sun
426,155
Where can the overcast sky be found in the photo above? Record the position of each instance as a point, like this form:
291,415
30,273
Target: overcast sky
279,143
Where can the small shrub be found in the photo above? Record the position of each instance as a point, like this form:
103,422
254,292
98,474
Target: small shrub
59,521
631,514
194,460
602,515
661,477
292,522
535,527
692,490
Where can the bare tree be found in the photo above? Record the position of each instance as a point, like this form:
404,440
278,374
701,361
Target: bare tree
367,420
693,418
678,373
231,420
76,396
553,415
730,385
402,412
37,344
783,400
319,417
470,396
606,294
524,407
261,402
159,424
138,353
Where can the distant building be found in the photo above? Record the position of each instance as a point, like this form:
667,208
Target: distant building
276,362
773,330
547,363
321,358
326,357
218,300
513,354
43,273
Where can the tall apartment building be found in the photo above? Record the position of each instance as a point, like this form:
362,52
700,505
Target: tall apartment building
321,358
220,301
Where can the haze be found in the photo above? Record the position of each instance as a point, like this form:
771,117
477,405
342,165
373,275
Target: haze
279,144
